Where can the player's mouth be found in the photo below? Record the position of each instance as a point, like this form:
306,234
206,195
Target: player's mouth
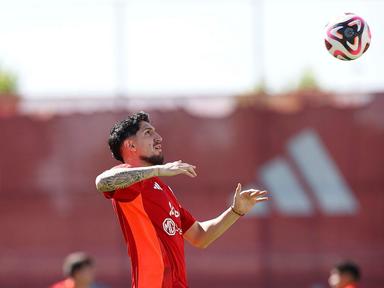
157,147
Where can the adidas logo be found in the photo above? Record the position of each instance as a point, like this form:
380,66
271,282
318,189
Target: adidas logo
157,186
305,180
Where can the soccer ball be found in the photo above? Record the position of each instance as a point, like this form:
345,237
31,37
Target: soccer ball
348,37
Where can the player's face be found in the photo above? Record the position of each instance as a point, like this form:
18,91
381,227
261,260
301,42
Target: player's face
148,144
85,275
336,280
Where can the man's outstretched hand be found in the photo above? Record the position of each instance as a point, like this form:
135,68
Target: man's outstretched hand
202,234
243,201
176,168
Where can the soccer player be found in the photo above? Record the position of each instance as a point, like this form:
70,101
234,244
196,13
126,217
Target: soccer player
153,221
78,270
344,275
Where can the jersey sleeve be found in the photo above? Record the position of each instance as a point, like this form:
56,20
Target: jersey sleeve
186,218
126,194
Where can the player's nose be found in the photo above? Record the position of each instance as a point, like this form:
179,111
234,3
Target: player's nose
158,138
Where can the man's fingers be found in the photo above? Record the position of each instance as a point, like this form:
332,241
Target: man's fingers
188,173
261,199
189,168
258,193
185,165
238,189
255,195
178,167
179,164
250,192
192,171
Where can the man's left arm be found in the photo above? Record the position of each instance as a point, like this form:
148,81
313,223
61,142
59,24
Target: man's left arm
202,234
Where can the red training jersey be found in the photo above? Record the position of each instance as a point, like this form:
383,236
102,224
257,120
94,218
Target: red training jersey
153,223
66,283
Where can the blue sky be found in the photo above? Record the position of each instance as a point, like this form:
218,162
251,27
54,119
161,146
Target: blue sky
100,48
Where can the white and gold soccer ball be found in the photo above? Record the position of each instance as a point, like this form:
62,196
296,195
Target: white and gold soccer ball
347,37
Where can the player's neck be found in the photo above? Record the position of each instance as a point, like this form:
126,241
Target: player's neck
81,284
136,162
77,285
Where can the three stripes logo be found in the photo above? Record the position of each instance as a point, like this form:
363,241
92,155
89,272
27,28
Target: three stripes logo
157,186
306,180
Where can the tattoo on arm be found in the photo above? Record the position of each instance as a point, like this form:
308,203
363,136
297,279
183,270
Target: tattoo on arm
122,177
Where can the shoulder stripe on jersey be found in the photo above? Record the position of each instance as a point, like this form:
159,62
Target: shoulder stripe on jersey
150,258
128,236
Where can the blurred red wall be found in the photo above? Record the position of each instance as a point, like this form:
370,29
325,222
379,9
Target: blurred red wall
49,206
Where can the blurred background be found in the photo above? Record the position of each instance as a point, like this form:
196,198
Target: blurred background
244,89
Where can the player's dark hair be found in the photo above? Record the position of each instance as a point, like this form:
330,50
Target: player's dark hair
124,129
350,268
75,262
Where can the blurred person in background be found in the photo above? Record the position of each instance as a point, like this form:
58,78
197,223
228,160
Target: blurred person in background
344,275
153,221
78,270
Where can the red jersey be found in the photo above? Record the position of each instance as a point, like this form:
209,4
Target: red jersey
153,223
66,283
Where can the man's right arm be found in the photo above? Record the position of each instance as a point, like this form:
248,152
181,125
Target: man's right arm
119,178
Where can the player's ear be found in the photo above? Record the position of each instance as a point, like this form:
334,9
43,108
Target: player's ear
129,145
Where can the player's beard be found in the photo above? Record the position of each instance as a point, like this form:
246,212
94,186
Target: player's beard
154,159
